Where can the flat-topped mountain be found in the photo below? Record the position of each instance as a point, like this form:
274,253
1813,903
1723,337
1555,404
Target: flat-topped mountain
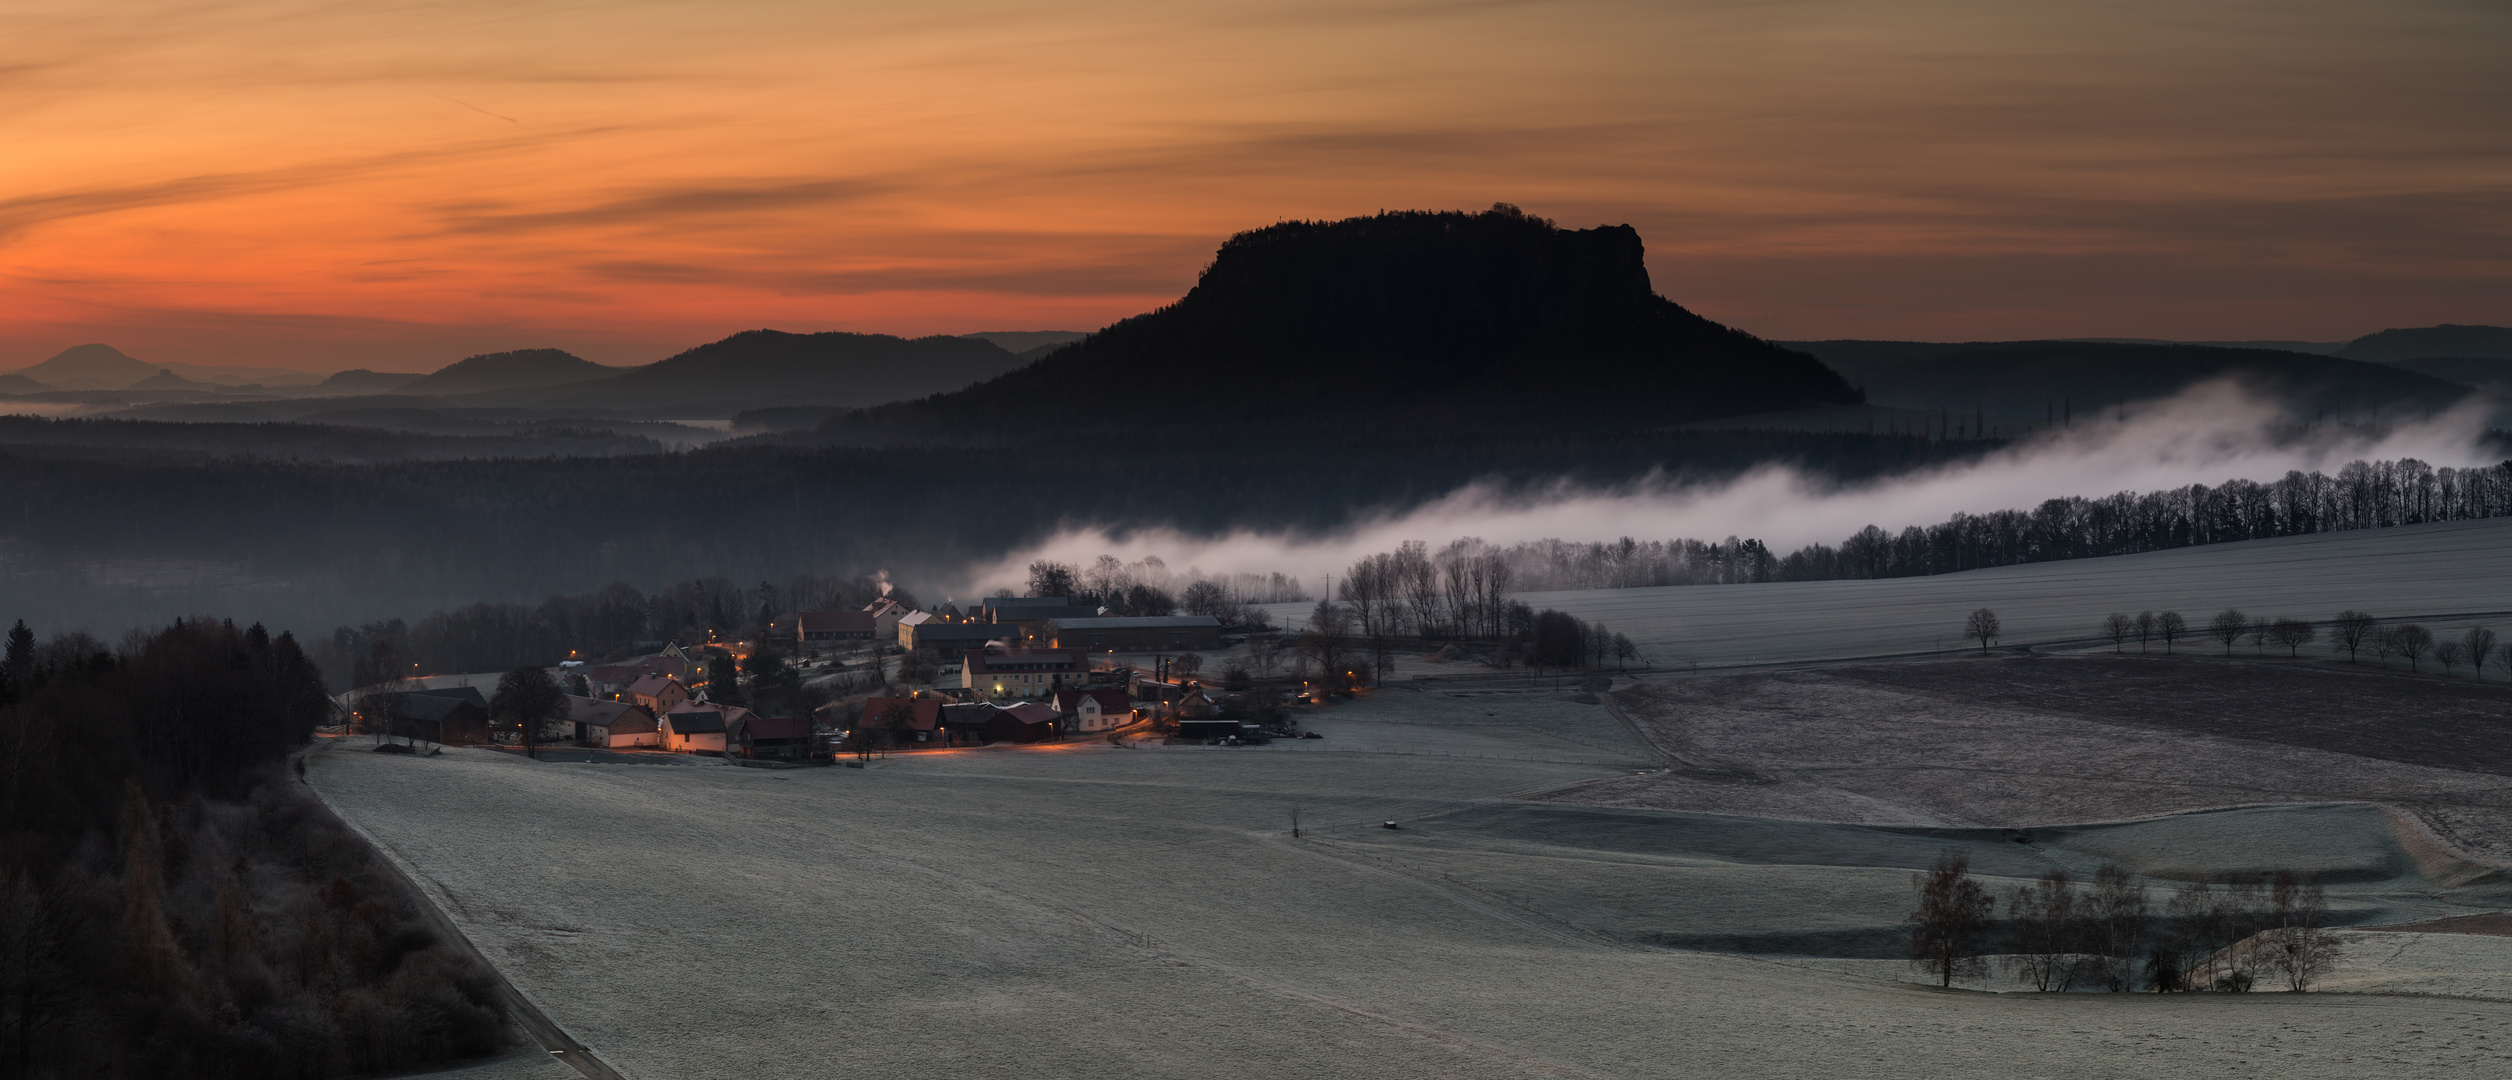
521,369
1403,318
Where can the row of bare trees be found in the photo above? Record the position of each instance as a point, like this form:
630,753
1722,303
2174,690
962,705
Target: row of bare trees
2351,632
1460,591
2109,935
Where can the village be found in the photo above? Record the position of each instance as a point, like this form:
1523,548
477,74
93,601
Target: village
821,687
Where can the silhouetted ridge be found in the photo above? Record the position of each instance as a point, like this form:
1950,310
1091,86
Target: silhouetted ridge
516,370
825,368
1413,317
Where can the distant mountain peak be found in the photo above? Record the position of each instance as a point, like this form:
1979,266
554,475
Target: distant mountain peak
519,369
95,366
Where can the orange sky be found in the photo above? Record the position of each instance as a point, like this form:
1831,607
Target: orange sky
323,185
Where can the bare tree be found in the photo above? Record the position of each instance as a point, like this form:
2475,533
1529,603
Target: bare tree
2043,919
2228,626
2302,949
2118,628
2118,920
2170,627
1186,665
2259,629
2477,646
2503,659
1949,930
2448,654
2352,630
1624,651
2411,641
1983,627
2293,634
2145,629
526,698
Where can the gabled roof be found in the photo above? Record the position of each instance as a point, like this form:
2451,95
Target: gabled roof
834,621
924,714
1031,712
696,720
772,727
427,706
1110,699
467,694
654,685
596,712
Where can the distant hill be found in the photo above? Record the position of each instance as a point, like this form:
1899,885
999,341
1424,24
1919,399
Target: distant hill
2491,374
772,367
362,381
1029,344
166,379
2448,339
88,367
522,369
14,383
2028,378
1403,321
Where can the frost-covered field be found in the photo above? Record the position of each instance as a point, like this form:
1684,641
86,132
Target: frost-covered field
1088,910
2418,570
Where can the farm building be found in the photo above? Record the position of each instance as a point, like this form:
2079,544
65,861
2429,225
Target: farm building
908,719
1026,722
699,728
659,694
813,627
926,630
768,737
885,614
1098,709
611,724
451,719
1136,634
1023,673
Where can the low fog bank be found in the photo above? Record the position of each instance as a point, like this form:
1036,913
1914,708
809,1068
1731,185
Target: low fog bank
2213,432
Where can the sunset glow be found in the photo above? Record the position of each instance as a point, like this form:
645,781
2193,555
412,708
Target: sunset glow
326,186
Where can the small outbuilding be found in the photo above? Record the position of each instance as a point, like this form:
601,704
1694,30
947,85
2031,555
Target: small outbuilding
1027,722
698,728
768,737
437,718
612,724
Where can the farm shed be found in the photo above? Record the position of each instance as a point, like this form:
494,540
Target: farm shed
768,736
698,729
821,626
1026,722
438,718
1150,633
612,724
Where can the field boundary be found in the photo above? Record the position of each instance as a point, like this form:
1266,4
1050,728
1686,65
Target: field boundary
562,1046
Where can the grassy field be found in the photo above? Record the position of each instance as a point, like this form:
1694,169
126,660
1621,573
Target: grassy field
2414,571
1091,910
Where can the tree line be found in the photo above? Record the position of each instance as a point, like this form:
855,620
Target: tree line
2352,632
2109,934
174,903
2363,495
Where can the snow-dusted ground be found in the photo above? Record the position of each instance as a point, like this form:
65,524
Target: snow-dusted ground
1090,910
2418,571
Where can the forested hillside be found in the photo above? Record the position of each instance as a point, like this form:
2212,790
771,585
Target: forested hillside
174,904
